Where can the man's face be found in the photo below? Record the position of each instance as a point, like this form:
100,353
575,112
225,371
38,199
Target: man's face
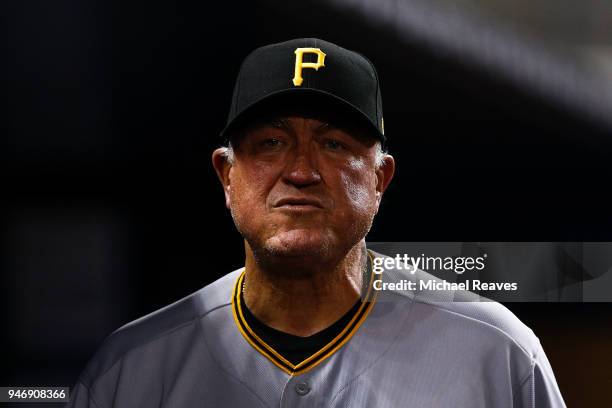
300,186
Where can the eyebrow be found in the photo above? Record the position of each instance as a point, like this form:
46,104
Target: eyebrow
324,125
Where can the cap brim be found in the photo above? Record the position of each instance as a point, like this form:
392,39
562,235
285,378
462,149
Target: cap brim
308,99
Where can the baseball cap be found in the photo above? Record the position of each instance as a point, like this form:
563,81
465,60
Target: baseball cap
307,72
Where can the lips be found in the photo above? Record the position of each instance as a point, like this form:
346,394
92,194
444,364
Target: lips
298,202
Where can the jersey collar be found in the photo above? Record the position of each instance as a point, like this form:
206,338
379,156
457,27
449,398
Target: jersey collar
322,354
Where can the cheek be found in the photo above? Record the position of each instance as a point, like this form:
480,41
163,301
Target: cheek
359,186
250,187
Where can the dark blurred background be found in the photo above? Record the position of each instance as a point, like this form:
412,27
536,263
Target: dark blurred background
497,113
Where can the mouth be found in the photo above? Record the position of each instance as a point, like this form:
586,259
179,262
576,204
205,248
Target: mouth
298,204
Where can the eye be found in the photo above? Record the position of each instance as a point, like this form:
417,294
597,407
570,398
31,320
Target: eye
333,144
270,143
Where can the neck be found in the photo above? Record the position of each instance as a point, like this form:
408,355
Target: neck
305,302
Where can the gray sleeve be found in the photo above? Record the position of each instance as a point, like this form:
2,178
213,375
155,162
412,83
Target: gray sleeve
539,389
81,397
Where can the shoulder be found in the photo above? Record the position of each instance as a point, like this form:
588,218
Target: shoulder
464,310
170,320
490,319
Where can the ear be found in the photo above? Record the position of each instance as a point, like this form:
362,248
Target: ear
222,167
384,174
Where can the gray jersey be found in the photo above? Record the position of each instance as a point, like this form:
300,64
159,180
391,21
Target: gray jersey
405,349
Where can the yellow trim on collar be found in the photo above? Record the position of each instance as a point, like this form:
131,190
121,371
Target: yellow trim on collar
325,352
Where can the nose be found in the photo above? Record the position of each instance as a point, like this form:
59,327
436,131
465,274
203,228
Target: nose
301,169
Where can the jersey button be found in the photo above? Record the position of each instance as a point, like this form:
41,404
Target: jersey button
302,388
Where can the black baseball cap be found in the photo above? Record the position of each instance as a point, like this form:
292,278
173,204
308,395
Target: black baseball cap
307,72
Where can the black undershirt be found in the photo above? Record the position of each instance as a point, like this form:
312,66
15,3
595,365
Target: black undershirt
295,348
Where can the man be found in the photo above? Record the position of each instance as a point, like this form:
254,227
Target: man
301,325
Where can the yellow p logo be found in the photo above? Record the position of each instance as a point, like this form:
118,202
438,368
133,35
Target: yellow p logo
299,63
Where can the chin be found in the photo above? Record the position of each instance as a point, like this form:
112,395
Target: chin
299,243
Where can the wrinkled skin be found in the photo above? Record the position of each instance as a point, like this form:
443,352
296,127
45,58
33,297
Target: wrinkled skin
301,190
